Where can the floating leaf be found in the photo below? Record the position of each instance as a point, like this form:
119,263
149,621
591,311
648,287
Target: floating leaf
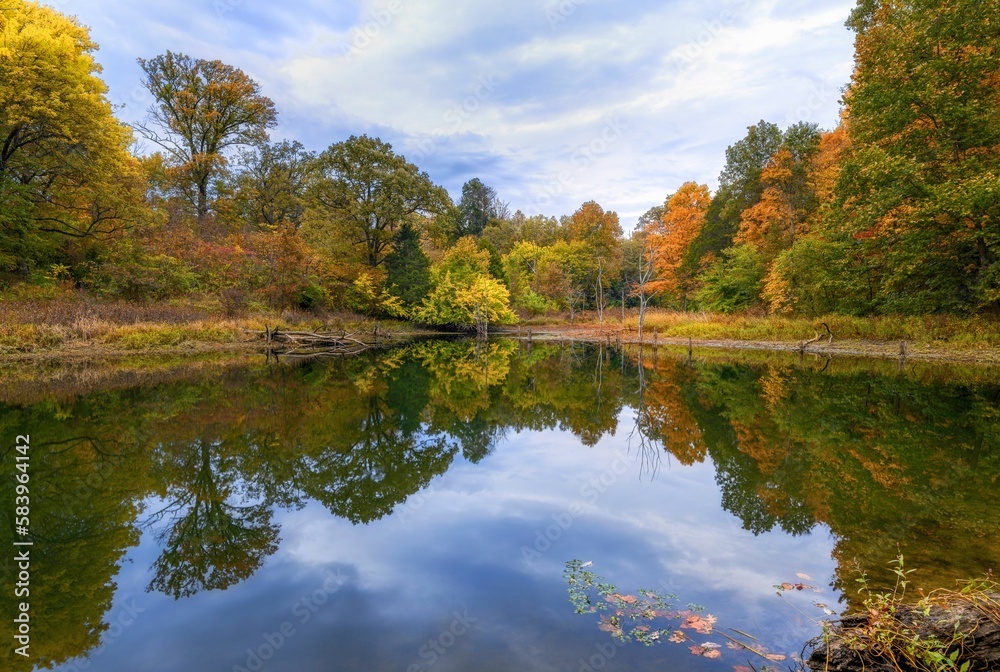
804,577
706,650
700,624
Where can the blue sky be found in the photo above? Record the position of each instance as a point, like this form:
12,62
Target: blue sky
551,102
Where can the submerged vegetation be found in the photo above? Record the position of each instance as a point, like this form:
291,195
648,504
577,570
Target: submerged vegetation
946,630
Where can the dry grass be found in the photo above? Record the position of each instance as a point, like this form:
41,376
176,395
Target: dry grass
961,332
39,324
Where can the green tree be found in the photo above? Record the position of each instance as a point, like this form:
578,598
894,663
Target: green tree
65,169
479,205
812,277
201,109
363,192
270,186
408,268
734,281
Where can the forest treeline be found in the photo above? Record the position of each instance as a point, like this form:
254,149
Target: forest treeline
897,210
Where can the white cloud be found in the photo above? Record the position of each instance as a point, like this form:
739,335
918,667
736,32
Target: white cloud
511,91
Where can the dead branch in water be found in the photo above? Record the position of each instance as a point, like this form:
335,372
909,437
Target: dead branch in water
314,344
818,337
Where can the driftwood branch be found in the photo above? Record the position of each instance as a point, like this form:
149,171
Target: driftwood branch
311,344
818,337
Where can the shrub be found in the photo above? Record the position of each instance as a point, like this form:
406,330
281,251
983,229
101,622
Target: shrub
734,282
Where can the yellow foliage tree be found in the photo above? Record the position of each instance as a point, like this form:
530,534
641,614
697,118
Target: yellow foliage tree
65,169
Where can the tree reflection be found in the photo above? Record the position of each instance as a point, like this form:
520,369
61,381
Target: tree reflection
87,479
878,457
382,466
212,542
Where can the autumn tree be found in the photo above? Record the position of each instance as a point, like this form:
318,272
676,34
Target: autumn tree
202,108
918,194
363,192
463,293
269,187
681,222
739,188
591,225
787,199
65,169
814,275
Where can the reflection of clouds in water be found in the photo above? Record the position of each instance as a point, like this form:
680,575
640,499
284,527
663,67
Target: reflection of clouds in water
667,532
461,550
444,534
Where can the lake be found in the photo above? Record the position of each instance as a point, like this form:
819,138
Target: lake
419,508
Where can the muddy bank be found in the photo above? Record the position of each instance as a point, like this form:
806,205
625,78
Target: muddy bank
968,630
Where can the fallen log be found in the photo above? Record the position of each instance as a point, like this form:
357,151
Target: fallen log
967,629
311,344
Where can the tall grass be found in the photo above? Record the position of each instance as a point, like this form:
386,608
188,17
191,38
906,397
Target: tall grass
960,332
69,319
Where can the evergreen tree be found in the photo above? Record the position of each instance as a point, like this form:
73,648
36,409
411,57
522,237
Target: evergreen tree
408,267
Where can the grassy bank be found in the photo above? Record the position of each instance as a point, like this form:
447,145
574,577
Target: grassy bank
960,332
70,324
75,324
974,339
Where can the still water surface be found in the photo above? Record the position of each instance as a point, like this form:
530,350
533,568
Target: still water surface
416,509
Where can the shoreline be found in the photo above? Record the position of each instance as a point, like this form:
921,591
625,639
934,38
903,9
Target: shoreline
74,333
874,349
79,351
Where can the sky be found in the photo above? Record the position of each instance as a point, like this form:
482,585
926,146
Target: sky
551,102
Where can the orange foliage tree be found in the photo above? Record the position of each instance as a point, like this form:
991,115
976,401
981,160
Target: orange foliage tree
680,225
593,225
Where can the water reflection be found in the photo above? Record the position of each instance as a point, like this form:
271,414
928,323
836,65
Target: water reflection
878,458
